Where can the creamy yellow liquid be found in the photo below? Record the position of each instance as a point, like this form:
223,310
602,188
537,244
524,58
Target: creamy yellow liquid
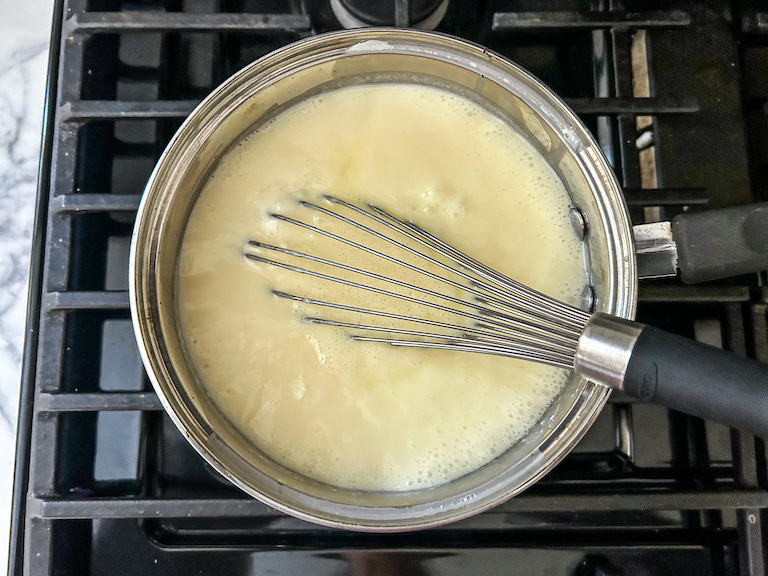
369,415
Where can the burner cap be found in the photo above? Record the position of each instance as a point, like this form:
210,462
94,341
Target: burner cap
423,14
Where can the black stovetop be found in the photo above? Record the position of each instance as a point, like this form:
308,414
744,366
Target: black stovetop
106,484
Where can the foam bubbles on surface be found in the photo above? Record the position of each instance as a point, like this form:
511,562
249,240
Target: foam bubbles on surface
368,415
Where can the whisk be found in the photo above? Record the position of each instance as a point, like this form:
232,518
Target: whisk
506,318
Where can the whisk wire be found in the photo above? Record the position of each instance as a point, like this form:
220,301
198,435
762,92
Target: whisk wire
507,352
521,351
474,332
509,324
521,290
510,319
524,316
565,313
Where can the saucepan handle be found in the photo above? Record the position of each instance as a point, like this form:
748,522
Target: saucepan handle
676,372
721,243
705,245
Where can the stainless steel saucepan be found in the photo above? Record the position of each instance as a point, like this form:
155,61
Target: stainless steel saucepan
703,245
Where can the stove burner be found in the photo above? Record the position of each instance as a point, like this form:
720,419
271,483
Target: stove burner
423,14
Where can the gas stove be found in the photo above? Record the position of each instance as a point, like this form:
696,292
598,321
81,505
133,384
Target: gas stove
105,484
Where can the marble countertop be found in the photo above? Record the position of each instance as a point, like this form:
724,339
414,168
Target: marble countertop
24,33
